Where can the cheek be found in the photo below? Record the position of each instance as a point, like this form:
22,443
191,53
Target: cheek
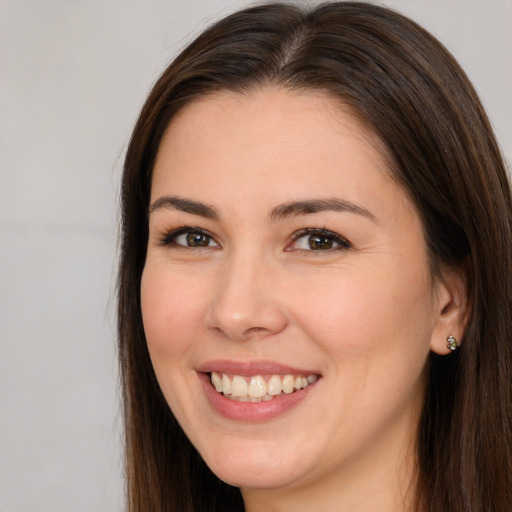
171,312
369,314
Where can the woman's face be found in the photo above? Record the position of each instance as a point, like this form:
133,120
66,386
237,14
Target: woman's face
282,255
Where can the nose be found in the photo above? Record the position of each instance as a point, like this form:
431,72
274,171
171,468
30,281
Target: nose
245,303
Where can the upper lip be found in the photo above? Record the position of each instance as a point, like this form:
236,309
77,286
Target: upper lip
250,368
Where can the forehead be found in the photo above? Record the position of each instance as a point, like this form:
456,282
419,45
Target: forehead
263,127
287,106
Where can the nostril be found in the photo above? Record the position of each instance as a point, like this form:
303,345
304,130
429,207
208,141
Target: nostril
255,331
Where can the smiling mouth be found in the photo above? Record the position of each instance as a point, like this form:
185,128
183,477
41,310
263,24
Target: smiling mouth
259,388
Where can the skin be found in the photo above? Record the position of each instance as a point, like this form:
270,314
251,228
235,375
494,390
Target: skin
364,317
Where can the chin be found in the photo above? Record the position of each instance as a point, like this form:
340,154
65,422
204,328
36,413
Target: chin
253,469
247,477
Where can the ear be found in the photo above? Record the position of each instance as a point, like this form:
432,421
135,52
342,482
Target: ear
453,309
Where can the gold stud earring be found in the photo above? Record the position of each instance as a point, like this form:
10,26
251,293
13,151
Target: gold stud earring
452,343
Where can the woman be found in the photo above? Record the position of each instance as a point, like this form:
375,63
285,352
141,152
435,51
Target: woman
314,290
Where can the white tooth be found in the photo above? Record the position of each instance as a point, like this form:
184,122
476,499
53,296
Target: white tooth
274,385
296,383
238,386
216,381
257,387
266,398
312,378
288,382
303,382
226,385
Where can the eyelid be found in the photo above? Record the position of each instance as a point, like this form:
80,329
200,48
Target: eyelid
340,240
168,237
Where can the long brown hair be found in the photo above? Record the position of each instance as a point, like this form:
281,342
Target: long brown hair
406,86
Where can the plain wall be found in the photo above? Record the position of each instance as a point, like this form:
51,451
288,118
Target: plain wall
73,75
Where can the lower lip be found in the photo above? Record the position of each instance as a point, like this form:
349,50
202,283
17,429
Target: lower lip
251,412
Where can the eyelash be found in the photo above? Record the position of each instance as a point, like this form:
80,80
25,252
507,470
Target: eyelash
342,242
169,238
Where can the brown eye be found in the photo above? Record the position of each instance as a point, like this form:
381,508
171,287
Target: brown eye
320,242
188,238
195,239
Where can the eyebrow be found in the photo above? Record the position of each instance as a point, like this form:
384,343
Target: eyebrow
295,208
184,205
280,212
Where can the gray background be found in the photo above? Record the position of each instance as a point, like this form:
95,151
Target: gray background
73,75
